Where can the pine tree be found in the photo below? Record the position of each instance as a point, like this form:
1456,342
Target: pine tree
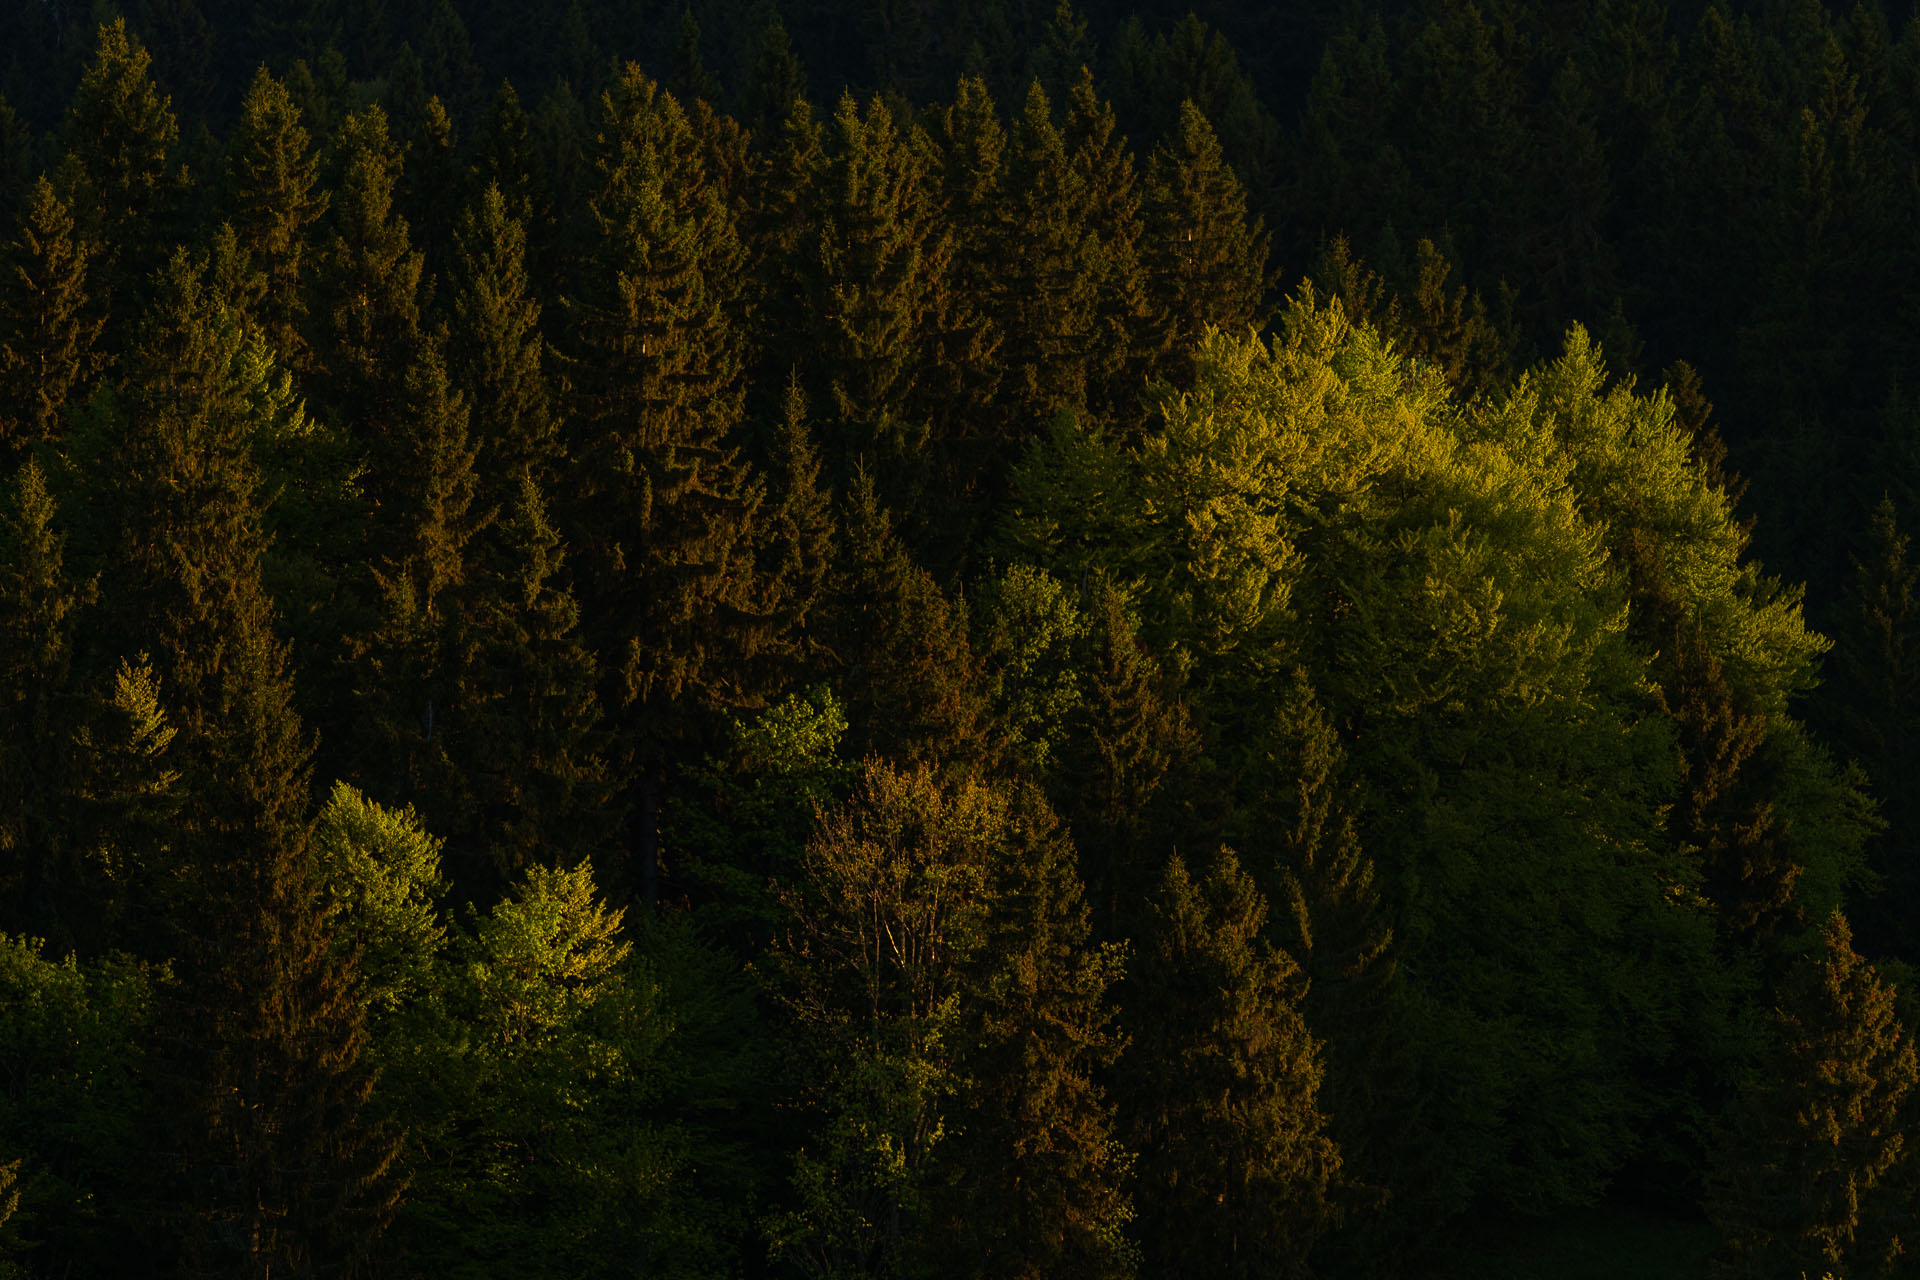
49,324
365,311
526,745
1811,1172
120,129
279,1165
496,353
664,504
1222,1083
1102,164
875,278
1127,737
1301,816
1876,703
38,607
1207,261
911,682
271,172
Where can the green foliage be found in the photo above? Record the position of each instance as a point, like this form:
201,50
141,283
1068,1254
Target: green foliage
80,1090
570,1095
380,871
757,807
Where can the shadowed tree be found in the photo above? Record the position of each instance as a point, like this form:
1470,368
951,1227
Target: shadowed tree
49,324
1811,1176
273,203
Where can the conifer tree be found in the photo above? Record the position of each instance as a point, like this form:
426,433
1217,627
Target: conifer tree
271,172
1047,306
1724,812
120,130
1222,1083
877,273
431,191
366,306
526,744
37,617
1102,164
1208,262
1812,1172
279,1166
665,505
790,158
972,146
16,156
496,353
1126,738
775,81
420,531
1876,699
1329,915
49,324
799,557
910,679
503,157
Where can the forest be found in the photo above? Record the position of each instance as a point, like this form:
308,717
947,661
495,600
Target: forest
959,638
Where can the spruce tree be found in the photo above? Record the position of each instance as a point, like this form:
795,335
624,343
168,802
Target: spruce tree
1876,705
524,735
1812,1171
503,157
272,204
420,531
1299,809
908,673
1207,262
38,607
1222,1082
798,556
789,161
664,505
876,275
496,353
1126,739
1048,300
1043,1175
278,1165
972,154
49,324
120,130
1102,164
365,313
432,191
